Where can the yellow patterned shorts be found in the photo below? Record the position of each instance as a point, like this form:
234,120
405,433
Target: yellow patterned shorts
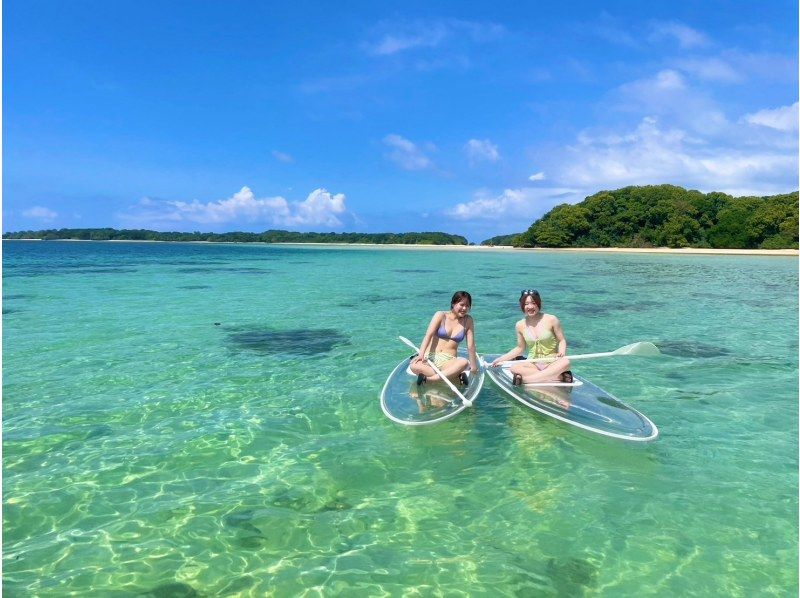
439,359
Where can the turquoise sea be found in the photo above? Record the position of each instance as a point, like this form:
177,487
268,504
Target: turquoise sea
203,420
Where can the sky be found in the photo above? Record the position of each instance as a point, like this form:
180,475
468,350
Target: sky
471,118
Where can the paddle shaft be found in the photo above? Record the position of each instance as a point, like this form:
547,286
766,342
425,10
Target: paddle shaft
508,364
574,357
645,349
452,386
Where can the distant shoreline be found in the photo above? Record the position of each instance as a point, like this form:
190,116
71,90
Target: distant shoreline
509,248
503,248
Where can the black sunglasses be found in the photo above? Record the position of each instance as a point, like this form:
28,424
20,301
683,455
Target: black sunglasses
532,292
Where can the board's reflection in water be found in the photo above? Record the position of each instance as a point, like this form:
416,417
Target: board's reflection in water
430,397
557,395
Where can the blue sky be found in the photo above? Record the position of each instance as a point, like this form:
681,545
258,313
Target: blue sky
468,118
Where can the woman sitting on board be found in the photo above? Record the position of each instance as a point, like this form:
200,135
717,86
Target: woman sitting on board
541,334
446,330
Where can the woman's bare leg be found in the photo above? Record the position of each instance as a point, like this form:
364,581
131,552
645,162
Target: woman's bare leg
451,369
530,373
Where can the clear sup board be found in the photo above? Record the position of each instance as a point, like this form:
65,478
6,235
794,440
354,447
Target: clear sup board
403,402
581,404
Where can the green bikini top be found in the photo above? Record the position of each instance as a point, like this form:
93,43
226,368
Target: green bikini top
546,345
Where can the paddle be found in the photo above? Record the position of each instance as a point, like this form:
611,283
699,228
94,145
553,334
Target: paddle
452,386
642,349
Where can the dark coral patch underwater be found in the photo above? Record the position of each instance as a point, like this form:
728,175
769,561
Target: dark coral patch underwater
381,298
299,341
56,269
610,307
572,577
240,270
691,349
192,262
439,294
171,590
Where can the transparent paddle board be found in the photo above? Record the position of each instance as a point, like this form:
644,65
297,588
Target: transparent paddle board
403,402
583,405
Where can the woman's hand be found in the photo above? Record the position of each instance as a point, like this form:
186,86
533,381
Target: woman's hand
422,358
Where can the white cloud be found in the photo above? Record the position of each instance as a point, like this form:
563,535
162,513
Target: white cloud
781,68
683,136
481,150
320,208
397,37
737,67
242,205
781,119
422,36
652,154
406,154
711,69
649,153
282,157
646,154
669,96
512,204
40,213
683,34
664,81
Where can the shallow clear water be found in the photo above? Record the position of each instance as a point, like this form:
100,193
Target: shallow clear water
148,450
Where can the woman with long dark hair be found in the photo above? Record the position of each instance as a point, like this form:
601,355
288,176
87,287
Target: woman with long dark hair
445,332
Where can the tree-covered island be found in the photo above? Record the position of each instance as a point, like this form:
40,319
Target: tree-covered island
270,236
665,216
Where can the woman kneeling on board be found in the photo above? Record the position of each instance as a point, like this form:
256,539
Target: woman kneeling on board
446,330
541,334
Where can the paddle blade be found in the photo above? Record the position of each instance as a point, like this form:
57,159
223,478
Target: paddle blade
643,349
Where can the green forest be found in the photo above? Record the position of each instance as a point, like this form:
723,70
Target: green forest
668,216
501,240
270,236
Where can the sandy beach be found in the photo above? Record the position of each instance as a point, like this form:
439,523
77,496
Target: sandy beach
663,250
